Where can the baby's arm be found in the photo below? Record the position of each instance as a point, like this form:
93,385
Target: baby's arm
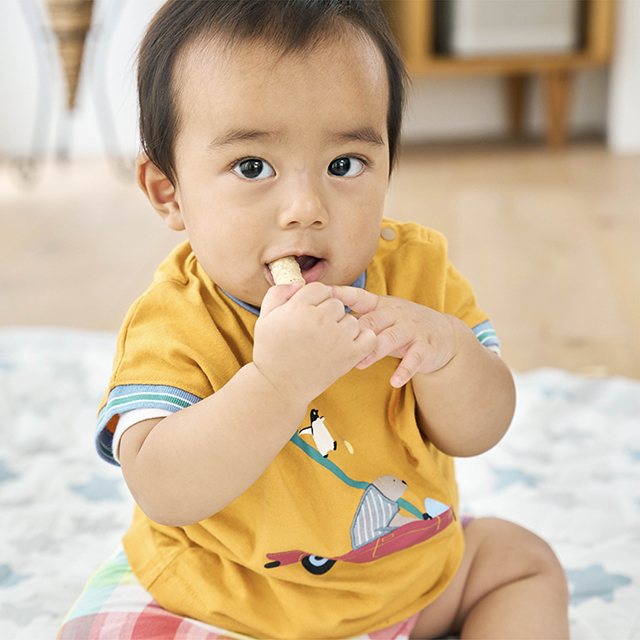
186,467
464,392
466,407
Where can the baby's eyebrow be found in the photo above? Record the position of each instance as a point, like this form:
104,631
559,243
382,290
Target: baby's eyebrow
362,134
240,135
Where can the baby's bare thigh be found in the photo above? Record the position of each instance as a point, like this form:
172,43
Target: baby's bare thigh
497,552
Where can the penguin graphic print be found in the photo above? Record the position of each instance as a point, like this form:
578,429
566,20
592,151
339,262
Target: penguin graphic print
321,437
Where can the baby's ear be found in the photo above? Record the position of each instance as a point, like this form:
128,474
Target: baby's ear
161,193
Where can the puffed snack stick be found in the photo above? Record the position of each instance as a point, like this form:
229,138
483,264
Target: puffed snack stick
286,270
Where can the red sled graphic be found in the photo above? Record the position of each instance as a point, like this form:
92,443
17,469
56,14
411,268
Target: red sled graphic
401,538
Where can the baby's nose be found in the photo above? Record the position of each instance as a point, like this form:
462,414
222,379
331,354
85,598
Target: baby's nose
304,207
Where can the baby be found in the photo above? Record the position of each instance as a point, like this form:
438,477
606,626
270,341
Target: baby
290,447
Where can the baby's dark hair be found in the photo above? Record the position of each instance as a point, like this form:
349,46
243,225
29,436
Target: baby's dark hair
287,25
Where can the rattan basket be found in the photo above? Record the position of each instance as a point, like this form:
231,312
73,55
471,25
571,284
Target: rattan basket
71,20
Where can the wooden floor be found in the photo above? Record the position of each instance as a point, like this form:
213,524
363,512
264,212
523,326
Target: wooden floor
550,242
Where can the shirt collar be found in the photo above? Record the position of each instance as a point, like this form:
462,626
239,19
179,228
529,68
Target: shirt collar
360,282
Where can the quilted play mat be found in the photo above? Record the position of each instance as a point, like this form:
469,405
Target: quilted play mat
569,470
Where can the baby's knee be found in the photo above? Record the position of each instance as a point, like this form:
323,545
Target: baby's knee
543,559
524,554
550,568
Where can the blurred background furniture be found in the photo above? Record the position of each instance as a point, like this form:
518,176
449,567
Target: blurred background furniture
452,37
70,21
453,98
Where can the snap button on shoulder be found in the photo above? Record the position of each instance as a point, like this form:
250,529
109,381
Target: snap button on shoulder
388,234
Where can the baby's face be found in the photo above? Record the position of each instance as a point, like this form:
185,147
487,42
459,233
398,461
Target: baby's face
279,156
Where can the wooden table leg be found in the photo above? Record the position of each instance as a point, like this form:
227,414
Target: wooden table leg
515,103
558,92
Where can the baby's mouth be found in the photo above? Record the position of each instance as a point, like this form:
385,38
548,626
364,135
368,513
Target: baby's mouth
312,268
306,262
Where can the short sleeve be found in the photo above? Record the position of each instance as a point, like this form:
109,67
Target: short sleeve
459,298
460,301
170,354
124,399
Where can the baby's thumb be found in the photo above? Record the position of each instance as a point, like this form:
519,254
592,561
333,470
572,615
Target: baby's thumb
277,296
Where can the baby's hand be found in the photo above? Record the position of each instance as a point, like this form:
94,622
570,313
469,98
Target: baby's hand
424,339
304,340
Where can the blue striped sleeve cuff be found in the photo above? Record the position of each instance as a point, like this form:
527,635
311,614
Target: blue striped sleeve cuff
136,396
487,336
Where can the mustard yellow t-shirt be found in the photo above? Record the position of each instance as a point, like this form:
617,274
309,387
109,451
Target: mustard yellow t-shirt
354,525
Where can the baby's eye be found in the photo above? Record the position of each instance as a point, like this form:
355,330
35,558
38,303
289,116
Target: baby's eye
346,167
254,169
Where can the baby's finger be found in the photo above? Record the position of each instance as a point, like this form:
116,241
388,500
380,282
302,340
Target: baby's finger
365,341
358,300
350,325
336,310
391,340
410,365
277,296
314,293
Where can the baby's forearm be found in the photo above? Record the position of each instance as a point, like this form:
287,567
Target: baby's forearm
195,462
466,407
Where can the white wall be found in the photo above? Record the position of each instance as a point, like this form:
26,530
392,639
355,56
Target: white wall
439,108
624,104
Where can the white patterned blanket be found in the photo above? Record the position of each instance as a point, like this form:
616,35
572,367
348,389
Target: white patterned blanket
569,469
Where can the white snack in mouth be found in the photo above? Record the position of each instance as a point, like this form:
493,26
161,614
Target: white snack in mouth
286,270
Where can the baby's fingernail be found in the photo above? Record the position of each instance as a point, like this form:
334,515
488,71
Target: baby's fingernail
396,381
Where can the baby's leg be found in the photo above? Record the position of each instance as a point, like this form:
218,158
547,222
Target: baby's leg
509,585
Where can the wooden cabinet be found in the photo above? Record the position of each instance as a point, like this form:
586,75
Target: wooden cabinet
413,24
